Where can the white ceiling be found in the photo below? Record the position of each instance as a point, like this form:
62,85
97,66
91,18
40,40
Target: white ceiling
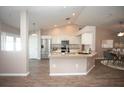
47,16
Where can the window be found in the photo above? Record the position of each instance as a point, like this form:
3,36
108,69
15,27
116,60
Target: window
10,42
18,44
3,40
107,43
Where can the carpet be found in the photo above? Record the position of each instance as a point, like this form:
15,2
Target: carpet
110,64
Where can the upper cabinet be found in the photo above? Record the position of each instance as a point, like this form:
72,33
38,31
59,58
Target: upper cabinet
86,29
88,36
56,40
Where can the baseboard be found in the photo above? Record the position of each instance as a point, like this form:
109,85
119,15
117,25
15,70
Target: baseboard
14,74
66,74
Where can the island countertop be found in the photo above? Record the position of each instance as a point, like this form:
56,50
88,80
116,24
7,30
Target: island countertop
52,55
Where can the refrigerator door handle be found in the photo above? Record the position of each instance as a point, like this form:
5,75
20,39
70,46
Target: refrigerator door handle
42,46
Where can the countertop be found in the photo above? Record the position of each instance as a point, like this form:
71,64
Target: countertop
53,55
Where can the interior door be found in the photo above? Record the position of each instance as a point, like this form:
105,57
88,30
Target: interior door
33,47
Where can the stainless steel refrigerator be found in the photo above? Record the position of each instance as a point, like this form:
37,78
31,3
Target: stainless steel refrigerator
45,48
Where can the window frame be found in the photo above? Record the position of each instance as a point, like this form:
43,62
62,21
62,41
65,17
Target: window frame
3,36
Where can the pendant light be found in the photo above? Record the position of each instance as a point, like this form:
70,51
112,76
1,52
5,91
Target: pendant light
120,33
34,32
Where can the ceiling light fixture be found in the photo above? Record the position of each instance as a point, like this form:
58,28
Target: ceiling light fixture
55,25
34,32
120,33
73,14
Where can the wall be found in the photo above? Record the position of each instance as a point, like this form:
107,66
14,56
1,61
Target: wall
9,29
103,34
11,61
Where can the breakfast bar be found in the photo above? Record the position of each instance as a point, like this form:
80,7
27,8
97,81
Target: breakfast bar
71,63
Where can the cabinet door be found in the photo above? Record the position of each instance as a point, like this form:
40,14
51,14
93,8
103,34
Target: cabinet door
86,38
56,40
74,40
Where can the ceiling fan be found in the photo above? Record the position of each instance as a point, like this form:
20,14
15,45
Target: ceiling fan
120,33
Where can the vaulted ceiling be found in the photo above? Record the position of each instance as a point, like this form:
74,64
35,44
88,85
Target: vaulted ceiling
46,17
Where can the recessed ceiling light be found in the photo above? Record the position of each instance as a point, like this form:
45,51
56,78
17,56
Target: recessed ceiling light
68,18
55,25
73,14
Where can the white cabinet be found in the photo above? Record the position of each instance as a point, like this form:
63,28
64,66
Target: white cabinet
55,40
87,38
74,40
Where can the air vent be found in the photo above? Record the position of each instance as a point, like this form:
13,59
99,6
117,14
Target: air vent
80,28
68,18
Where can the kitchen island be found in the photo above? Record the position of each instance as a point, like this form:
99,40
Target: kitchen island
71,63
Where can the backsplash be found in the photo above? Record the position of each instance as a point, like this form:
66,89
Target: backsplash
71,46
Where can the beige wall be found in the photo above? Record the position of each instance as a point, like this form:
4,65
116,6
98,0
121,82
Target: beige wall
103,34
11,61
9,29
